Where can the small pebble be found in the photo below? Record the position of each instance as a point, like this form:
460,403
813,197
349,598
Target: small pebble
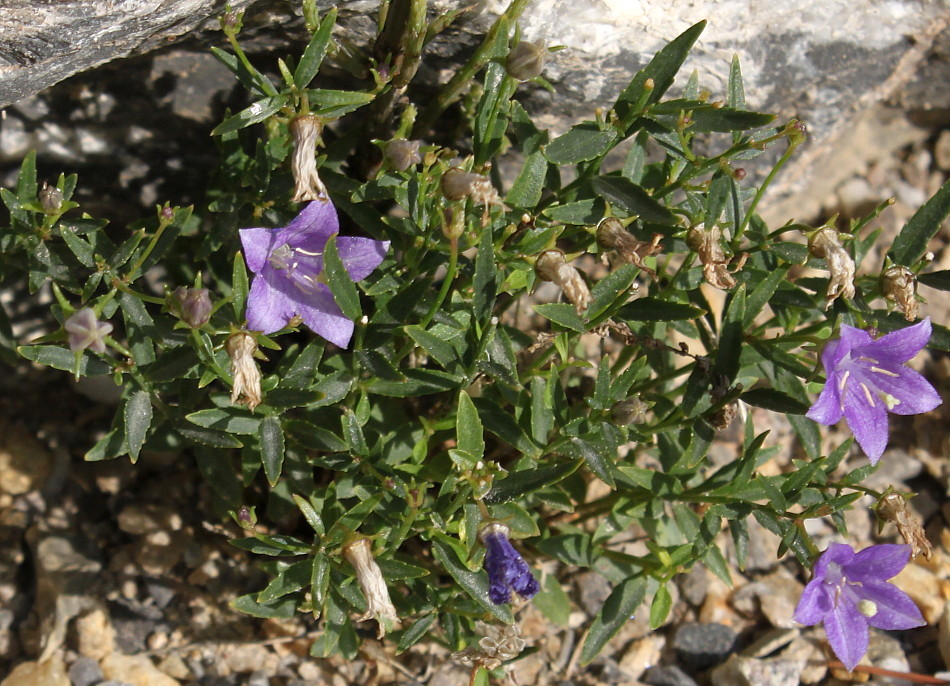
85,672
700,646
667,675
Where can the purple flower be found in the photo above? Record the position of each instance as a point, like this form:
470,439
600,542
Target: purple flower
867,379
288,268
507,570
849,592
86,331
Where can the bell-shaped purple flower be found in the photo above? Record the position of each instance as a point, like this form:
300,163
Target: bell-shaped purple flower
507,570
288,266
849,592
867,379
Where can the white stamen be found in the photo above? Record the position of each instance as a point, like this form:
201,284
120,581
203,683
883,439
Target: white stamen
844,381
868,359
885,372
867,394
308,253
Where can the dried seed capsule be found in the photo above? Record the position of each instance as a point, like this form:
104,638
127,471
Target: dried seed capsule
379,606
306,131
246,390
708,243
550,266
193,305
825,243
612,235
899,284
51,198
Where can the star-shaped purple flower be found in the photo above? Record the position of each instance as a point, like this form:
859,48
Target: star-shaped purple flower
867,379
288,266
849,592
507,570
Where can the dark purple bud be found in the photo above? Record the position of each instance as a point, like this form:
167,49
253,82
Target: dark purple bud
167,214
51,198
507,570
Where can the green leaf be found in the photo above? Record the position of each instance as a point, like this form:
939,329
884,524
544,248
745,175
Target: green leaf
610,290
79,247
313,56
736,97
656,310
662,70
770,399
239,286
661,606
258,112
485,288
138,419
340,284
64,360
553,602
617,611
630,197
294,578
912,242
417,382
273,546
762,293
232,420
248,604
490,121
414,633
435,346
708,119
581,143
530,480
939,280
525,192
581,212
208,437
719,189
331,104
468,428
571,549
313,437
562,314
503,425
26,180
475,584
271,436
731,335
597,460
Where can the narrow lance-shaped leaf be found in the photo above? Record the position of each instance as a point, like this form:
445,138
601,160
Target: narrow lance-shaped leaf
316,50
271,437
138,419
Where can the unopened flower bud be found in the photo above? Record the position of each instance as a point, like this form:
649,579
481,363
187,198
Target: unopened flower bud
550,266
246,390
306,131
403,154
611,234
825,243
193,306
453,223
379,606
739,173
708,243
166,214
899,284
526,60
796,132
86,331
892,507
51,198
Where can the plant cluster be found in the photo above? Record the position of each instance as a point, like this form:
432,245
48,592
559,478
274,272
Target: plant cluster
380,359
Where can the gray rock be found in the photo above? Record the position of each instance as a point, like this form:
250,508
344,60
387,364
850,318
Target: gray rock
85,672
747,671
258,679
700,646
667,675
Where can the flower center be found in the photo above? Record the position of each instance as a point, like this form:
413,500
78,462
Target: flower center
868,608
303,267
865,372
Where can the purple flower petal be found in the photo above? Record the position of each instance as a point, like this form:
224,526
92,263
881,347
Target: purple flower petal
506,569
883,561
914,392
852,338
268,309
847,631
827,409
901,345
360,256
895,609
839,553
315,223
867,419
815,603
833,352
257,245
321,313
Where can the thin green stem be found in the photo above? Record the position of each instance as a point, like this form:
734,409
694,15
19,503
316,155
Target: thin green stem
265,85
760,193
162,225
